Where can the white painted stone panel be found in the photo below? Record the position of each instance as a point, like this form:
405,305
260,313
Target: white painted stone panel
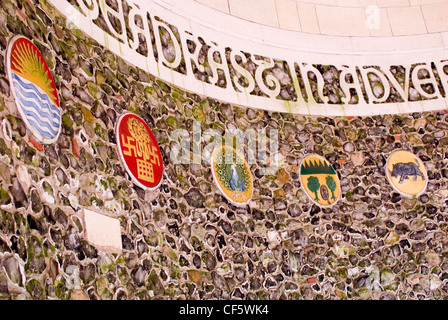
221,5
436,17
393,3
406,21
259,11
308,18
102,231
288,16
340,20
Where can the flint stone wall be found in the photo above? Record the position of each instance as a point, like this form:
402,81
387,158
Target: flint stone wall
185,240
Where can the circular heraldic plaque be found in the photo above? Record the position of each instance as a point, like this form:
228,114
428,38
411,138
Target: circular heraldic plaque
34,90
406,173
320,181
232,174
139,151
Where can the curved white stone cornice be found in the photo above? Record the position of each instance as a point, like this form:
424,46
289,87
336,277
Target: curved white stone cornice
253,49
313,41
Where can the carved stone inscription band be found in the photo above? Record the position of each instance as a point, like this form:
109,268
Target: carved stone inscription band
231,68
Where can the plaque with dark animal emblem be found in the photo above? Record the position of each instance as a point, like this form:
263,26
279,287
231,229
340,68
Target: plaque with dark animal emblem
406,173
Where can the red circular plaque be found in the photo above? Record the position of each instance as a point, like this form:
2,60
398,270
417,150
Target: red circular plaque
139,151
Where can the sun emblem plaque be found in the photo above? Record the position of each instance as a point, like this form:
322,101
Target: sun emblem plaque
232,174
33,89
319,181
139,151
406,173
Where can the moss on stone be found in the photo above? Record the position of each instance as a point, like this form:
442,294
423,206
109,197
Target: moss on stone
4,150
4,197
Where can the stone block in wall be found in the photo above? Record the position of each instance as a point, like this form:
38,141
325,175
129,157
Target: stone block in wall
102,231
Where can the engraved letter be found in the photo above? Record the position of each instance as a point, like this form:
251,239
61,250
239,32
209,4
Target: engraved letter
420,82
158,25
243,72
440,65
295,81
91,13
191,57
106,10
136,30
346,86
304,69
271,81
404,92
215,65
365,71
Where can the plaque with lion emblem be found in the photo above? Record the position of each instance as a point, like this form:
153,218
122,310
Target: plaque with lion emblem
406,173
139,151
